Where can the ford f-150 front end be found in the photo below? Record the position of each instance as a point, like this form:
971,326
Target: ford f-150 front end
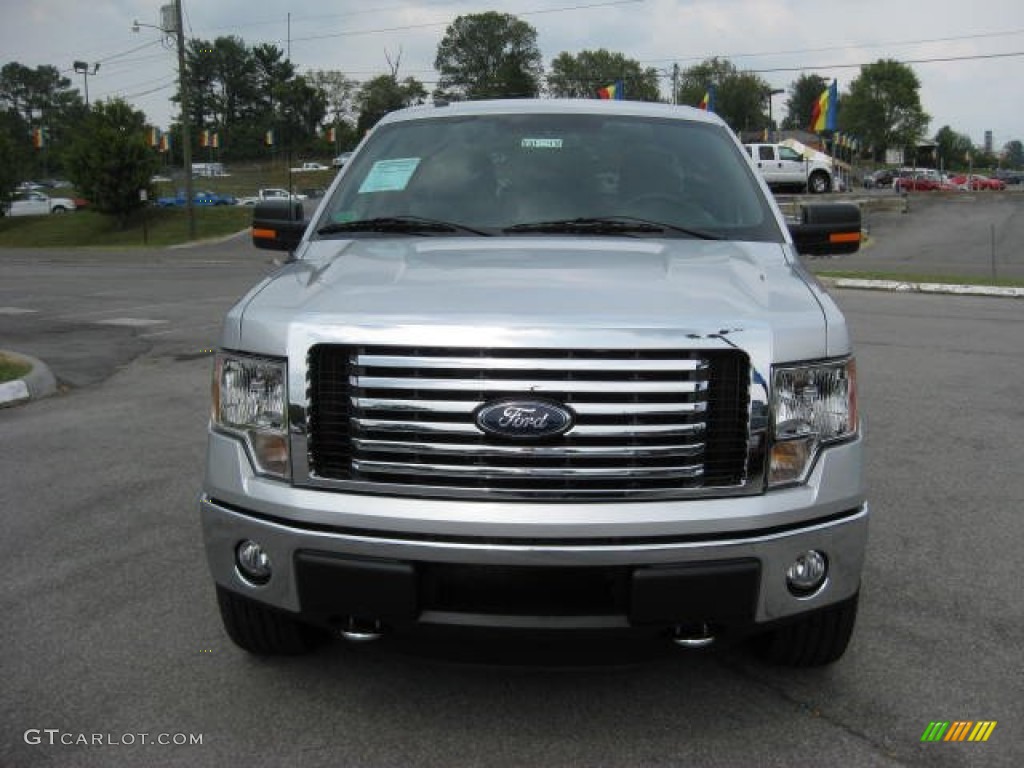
540,365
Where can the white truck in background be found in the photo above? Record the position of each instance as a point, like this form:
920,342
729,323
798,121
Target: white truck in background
792,165
272,193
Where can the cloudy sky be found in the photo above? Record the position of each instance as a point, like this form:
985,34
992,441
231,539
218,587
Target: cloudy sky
969,56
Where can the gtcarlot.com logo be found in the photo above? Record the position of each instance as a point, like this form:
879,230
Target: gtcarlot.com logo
56,736
958,730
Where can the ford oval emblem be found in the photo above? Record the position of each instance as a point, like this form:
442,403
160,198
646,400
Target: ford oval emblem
524,419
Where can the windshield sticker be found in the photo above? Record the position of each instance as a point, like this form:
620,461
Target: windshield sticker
389,175
541,144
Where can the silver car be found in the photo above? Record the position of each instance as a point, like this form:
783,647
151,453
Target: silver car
540,365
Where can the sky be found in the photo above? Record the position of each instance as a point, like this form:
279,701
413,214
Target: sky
968,56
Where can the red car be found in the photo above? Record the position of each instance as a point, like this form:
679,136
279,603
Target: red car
916,184
976,182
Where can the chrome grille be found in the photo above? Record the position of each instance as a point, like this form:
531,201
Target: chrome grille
645,419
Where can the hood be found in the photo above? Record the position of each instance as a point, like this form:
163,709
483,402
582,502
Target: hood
603,284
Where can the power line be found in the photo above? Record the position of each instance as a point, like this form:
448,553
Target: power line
731,56
937,59
426,25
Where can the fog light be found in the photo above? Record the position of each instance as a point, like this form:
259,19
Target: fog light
807,573
253,562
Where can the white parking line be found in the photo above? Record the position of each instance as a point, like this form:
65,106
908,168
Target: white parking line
16,311
180,330
227,300
131,322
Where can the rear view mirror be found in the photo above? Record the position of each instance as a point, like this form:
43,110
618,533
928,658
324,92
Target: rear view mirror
827,229
278,225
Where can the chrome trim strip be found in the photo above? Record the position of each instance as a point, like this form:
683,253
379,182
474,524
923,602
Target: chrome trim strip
580,430
459,470
617,365
553,451
581,409
527,386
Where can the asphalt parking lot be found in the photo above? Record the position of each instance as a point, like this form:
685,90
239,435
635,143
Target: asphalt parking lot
111,629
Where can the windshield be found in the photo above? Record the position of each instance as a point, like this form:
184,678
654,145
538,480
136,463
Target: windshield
531,174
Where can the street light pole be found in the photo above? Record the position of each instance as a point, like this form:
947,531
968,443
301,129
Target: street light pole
82,68
771,123
186,123
186,120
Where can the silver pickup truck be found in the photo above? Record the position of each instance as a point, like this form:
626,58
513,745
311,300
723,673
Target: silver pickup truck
540,365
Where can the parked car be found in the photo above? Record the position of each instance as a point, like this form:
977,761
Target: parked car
34,203
271,193
916,183
883,177
204,198
976,182
1010,177
341,159
310,167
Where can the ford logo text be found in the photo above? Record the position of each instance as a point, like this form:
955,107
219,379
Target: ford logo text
524,419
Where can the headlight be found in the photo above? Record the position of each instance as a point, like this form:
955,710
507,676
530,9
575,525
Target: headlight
250,401
812,405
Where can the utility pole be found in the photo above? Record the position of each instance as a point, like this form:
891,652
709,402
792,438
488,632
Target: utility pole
82,68
675,83
186,126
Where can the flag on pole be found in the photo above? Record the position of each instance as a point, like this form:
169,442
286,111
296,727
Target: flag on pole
615,91
707,102
268,139
823,116
215,141
165,142
331,134
154,137
204,138
38,139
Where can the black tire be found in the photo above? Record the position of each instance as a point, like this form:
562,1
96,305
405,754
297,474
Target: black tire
59,209
264,631
819,183
814,640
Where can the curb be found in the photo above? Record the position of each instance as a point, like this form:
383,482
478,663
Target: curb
37,383
897,286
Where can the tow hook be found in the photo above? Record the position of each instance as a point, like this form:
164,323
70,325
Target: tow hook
697,635
361,630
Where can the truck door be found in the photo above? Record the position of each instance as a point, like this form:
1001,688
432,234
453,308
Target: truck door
792,168
768,163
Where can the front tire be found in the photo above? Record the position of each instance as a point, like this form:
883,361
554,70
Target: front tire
264,631
813,640
819,183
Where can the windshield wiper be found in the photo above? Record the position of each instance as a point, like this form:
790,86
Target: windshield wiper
607,225
409,225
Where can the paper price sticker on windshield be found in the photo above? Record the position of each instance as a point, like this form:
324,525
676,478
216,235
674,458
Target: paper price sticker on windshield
541,144
389,175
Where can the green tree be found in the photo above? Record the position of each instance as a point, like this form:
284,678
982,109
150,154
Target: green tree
39,98
339,97
385,94
883,107
804,92
488,55
1013,154
15,152
579,76
9,171
110,160
953,148
241,93
740,97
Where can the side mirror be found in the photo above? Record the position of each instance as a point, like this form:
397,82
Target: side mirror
278,225
827,229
